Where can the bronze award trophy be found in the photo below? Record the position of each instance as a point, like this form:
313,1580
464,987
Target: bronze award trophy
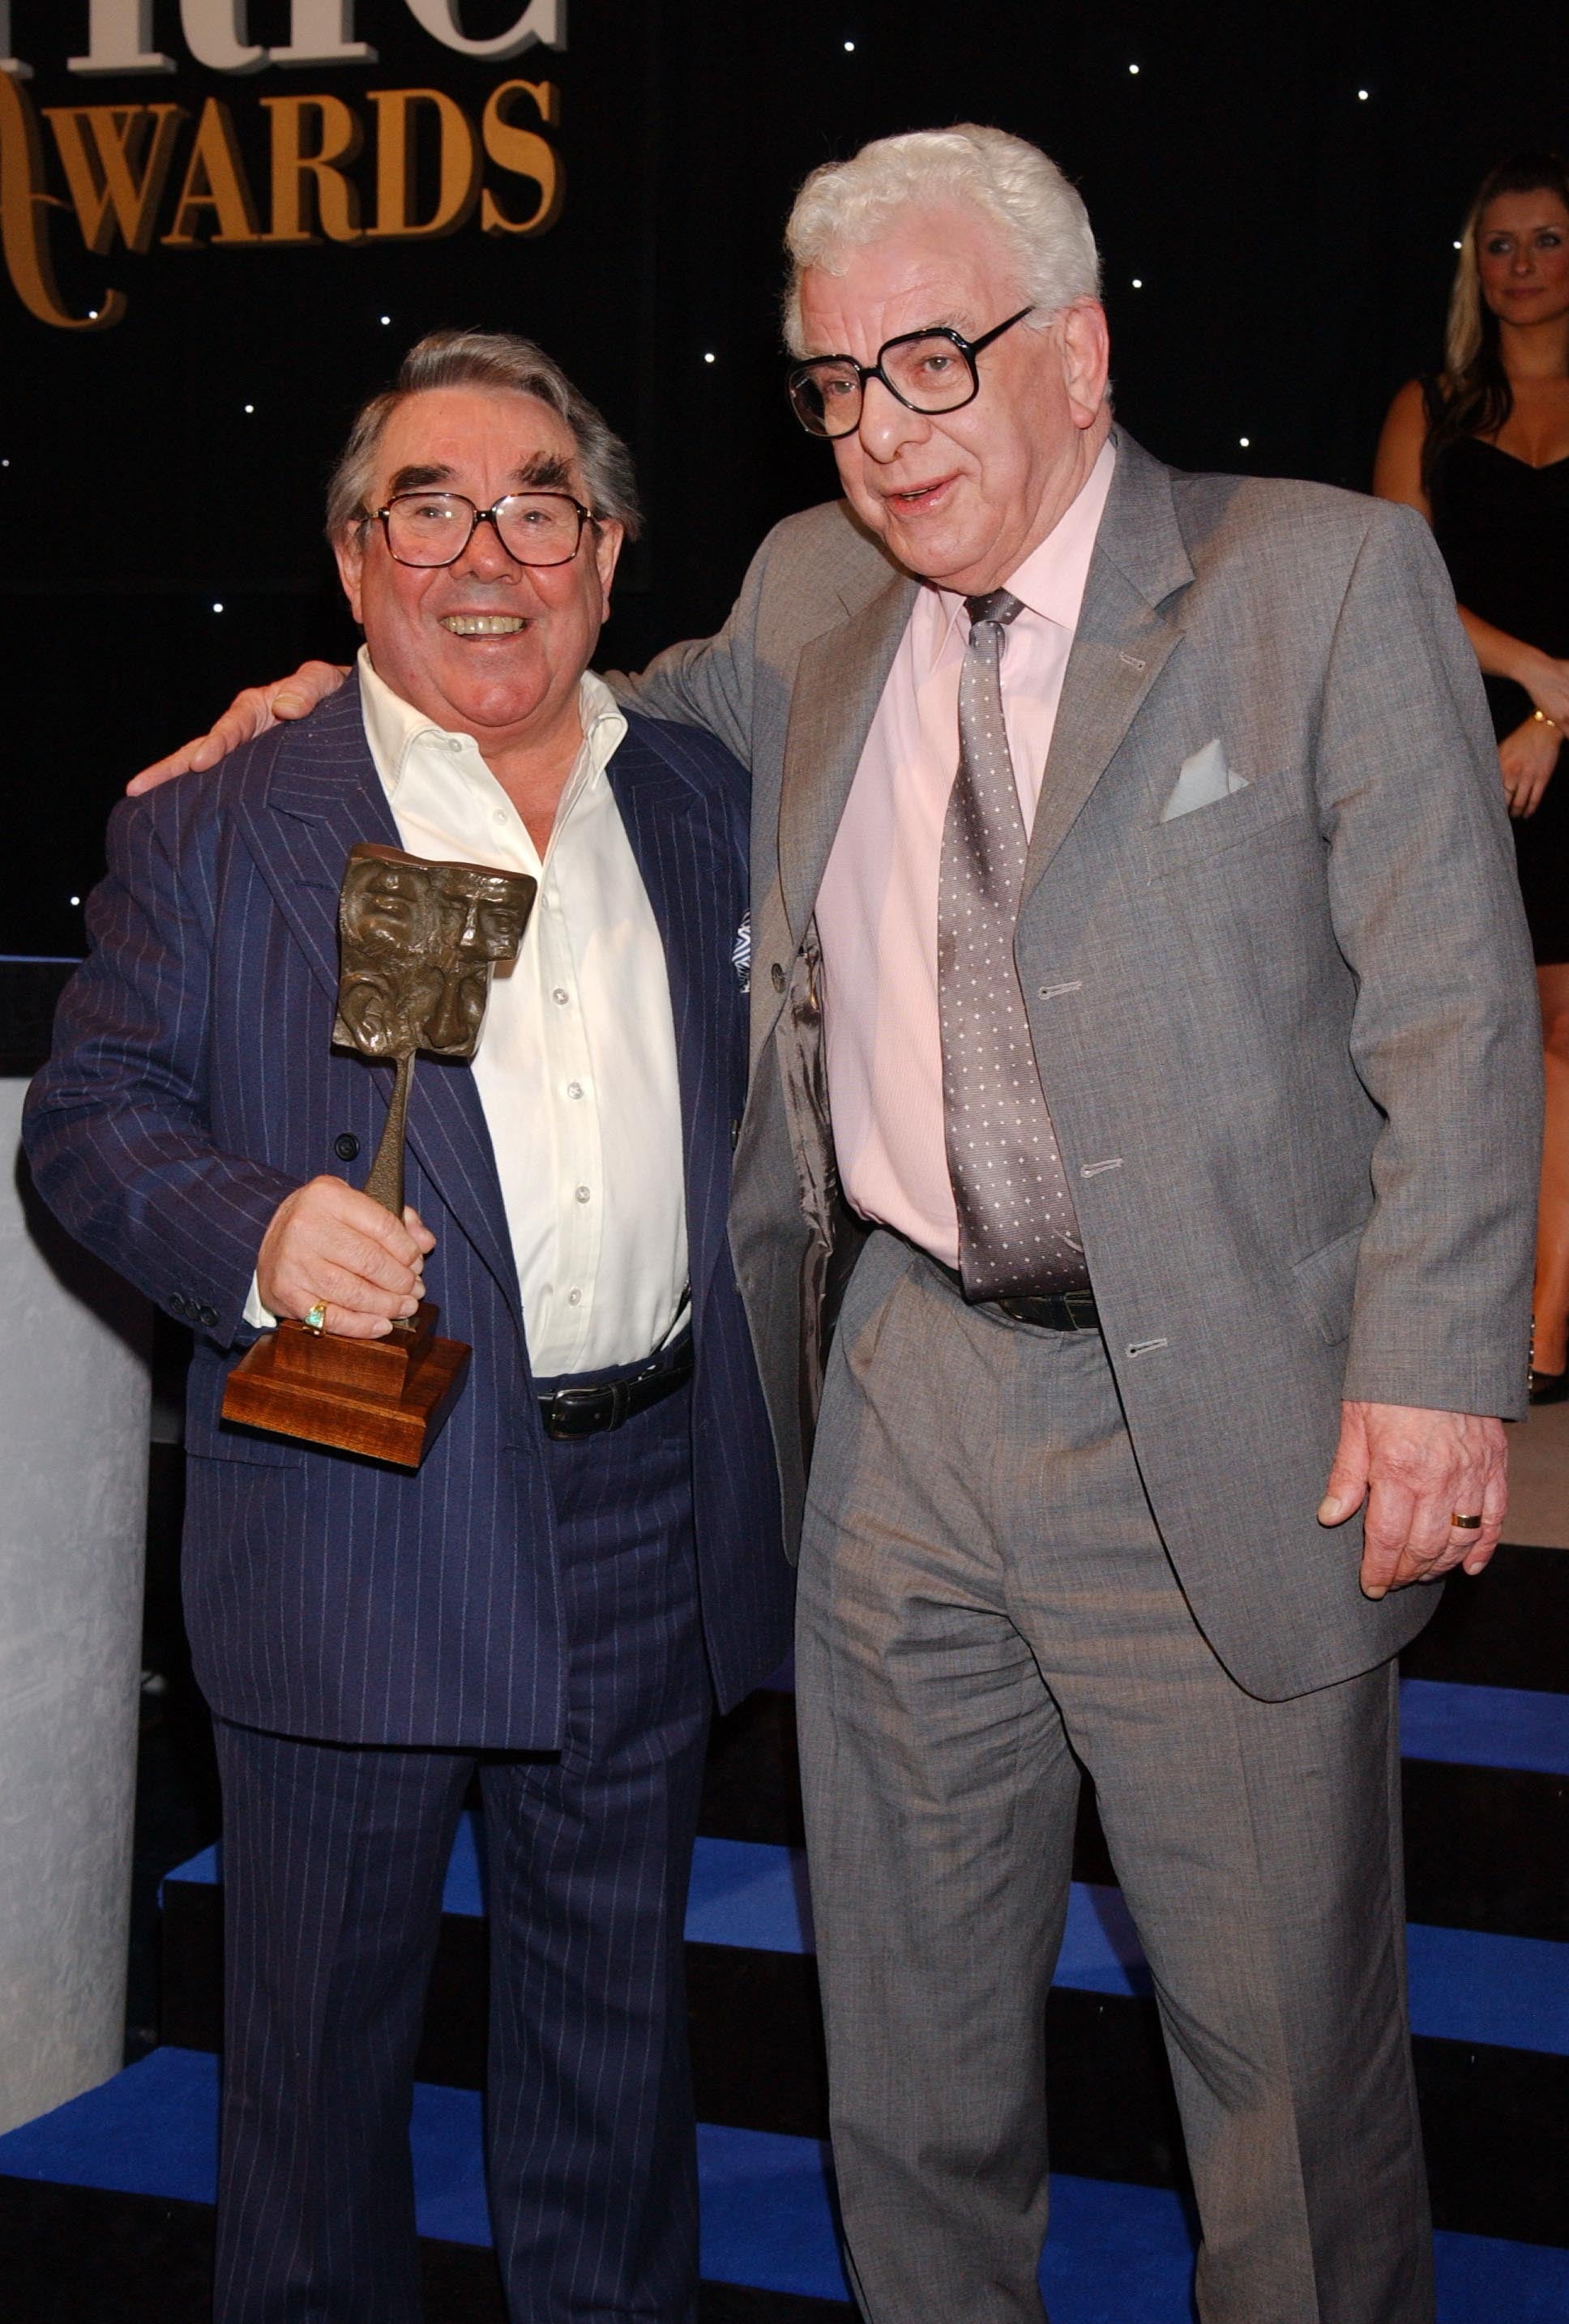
418,943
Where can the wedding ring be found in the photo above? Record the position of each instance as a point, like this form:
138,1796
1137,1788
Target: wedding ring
1464,1525
315,1319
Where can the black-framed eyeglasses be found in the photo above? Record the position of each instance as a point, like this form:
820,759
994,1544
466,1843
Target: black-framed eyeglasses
436,528
928,371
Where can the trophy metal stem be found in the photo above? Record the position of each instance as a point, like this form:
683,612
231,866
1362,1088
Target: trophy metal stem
418,942
386,1183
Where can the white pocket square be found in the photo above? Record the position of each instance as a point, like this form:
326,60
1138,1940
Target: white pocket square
1205,777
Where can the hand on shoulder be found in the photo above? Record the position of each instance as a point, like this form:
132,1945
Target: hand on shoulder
251,712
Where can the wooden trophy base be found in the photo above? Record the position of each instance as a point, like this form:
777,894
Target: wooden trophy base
385,1398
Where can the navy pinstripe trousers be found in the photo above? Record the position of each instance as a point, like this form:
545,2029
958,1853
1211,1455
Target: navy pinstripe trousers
334,1858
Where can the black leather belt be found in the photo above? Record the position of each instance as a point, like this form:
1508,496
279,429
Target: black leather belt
588,1411
1055,1311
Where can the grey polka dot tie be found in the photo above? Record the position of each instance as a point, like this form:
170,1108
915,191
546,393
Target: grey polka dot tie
1018,1233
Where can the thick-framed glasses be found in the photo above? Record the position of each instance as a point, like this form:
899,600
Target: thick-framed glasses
436,528
930,372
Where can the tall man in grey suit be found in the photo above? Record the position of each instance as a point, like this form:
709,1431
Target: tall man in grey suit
1138,957
1181,1053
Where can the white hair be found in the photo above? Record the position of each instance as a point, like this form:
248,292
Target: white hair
1042,221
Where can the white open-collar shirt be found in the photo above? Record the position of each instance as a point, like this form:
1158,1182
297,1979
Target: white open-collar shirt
576,1069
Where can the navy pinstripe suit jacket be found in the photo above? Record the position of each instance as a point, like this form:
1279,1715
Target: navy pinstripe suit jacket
192,1084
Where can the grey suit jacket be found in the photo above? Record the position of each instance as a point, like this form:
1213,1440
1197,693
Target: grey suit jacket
1289,1040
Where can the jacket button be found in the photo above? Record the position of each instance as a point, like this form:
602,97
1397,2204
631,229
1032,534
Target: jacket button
734,1133
346,1146
179,1304
778,974
206,1314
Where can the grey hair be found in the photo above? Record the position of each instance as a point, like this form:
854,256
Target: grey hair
486,359
1039,214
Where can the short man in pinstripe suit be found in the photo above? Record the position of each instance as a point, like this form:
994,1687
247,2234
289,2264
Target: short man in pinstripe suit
590,1557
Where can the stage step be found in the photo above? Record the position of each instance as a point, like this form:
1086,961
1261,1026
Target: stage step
1488,1818
747,1896
1490,2014
105,2207
1484,1776
130,2168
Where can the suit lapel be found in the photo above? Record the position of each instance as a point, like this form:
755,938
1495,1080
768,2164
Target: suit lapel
1122,643
324,798
693,894
839,680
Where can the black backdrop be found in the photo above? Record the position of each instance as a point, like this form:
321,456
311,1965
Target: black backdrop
1294,241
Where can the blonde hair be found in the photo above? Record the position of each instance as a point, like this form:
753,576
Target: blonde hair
1039,216
1474,396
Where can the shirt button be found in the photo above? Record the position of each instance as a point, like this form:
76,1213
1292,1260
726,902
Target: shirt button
575,1299
559,995
500,814
582,1193
574,1089
778,974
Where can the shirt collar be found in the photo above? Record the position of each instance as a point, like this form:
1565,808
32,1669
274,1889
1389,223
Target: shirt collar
393,728
1051,580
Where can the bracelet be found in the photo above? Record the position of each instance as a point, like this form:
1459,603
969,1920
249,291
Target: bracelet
1542,718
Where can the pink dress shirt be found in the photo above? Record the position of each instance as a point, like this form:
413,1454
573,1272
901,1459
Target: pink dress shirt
877,910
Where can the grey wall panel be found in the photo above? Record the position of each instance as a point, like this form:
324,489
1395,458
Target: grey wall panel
73,1480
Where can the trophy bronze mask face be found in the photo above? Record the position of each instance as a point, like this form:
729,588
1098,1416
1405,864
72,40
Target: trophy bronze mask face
481,918
419,944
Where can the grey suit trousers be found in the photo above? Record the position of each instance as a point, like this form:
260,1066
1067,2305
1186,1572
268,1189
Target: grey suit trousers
985,1601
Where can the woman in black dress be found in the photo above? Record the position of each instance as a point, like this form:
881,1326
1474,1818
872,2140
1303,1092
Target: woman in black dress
1482,450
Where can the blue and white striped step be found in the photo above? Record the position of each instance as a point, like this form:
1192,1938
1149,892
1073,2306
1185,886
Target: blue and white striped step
1116,2252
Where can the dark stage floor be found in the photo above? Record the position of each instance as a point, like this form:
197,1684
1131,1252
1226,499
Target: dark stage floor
104,2206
